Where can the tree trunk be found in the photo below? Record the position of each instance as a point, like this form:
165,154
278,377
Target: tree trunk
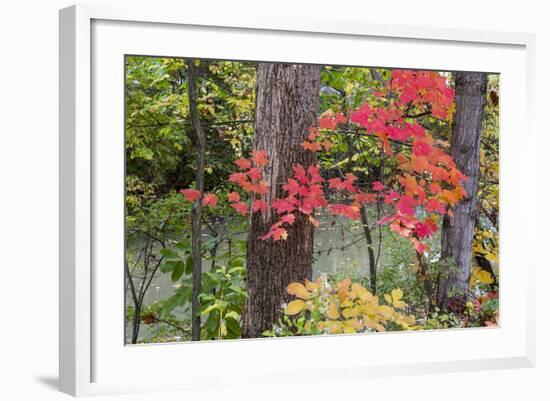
370,249
287,99
196,229
457,234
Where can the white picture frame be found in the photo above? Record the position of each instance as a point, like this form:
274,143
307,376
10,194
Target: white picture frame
93,359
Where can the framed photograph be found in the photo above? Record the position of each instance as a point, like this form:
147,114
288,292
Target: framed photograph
253,191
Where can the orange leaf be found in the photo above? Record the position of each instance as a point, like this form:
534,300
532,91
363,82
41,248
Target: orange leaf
259,157
298,290
210,200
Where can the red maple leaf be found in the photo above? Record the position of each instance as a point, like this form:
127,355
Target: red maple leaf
300,174
433,205
243,163
283,206
365,198
239,178
292,186
406,205
349,211
312,146
288,218
190,194
233,197
241,208
254,173
210,200
259,205
421,148
259,157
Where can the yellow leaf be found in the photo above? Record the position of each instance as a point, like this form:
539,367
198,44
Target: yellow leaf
379,327
298,290
396,295
388,299
480,275
485,277
345,283
346,304
361,292
295,307
372,324
334,327
385,311
332,312
342,295
313,286
349,312
347,328
410,319
399,304
353,323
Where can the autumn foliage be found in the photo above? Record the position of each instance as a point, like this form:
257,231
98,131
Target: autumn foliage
427,178
344,307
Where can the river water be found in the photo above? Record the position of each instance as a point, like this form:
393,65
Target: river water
340,248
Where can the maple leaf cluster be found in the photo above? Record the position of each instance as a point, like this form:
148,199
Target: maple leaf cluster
192,195
419,88
318,140
304,194
428,178
250,180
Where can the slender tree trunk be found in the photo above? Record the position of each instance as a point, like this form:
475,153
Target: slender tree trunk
370,249
197,207
457,235
286,106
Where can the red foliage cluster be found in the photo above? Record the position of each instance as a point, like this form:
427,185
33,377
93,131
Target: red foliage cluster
420,88
250,180
428,178
304,193
193,195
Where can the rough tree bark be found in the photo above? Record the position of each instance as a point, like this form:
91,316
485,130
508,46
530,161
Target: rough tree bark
196,229
286,106
457,233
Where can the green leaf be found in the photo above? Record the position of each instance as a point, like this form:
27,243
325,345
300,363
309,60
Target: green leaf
178,270
184,244
237,290
206,297
213,277
233,326
167,267
236,269
184,295
233,315
189,265
169,254
217,305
